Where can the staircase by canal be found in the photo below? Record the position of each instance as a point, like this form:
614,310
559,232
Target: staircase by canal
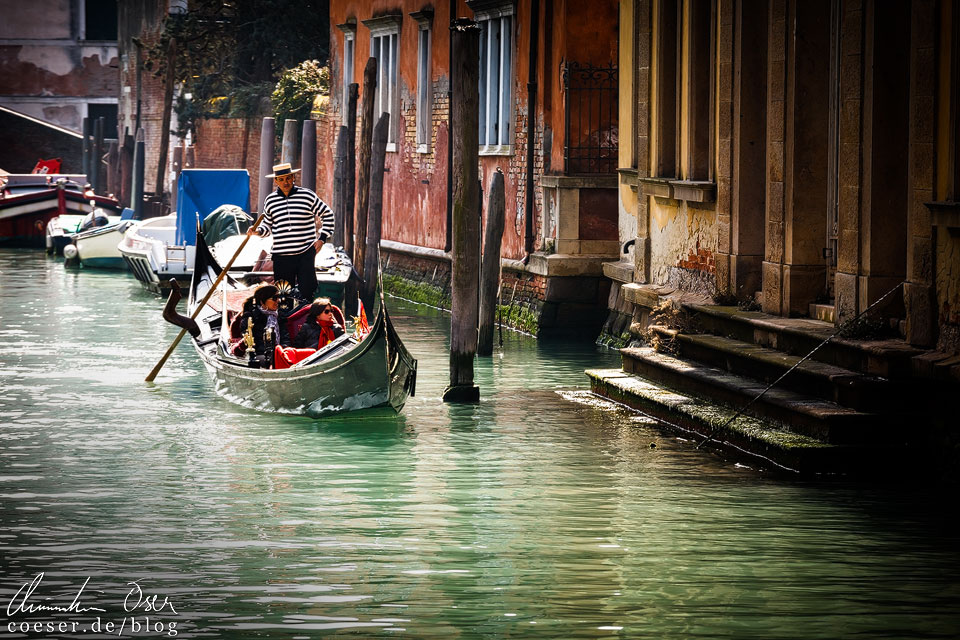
854,407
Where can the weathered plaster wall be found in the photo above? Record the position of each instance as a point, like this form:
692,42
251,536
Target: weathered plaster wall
683,241
415,189
48,71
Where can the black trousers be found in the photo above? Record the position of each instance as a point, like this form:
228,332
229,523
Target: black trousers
298,270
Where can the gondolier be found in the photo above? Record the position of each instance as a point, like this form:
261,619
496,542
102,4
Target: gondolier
291,215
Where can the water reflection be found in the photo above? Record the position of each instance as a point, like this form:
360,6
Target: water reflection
539,512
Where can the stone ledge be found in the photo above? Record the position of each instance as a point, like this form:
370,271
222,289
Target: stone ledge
559,264
646,295
579,182
620,271
694,190
945,214
658,187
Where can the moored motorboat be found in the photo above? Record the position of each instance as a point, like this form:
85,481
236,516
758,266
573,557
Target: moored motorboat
99,247
159,250
358,370
29,201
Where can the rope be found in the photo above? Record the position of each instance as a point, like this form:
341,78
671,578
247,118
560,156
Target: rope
841,329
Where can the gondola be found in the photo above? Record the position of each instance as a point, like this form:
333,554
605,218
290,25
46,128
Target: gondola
357,371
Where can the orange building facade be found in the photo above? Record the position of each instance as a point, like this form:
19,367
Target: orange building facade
548,120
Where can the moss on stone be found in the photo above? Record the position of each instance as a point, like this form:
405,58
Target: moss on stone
519,317
416,291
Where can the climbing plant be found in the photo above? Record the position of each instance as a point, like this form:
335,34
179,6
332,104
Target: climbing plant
297,90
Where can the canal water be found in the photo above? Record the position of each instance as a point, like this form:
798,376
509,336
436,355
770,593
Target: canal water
537,513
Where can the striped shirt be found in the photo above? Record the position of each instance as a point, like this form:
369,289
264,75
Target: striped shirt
292,220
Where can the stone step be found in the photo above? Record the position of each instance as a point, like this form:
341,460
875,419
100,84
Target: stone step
798,336
847,388
747,437
824,312
791,411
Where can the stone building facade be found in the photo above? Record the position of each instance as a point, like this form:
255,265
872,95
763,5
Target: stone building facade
803,154
59,61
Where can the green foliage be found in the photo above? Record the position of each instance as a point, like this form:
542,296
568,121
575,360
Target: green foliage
230,53
295,93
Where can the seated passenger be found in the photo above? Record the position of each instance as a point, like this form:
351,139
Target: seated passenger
264,316
320,328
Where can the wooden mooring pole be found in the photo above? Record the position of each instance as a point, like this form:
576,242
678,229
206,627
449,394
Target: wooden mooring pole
137,189
490,267
288,150
363,159
96,159
340,187
113,166
85,159
308,155
464,125
126,170
378,157
350,184
267,145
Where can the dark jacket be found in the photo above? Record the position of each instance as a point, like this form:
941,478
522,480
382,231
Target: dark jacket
259,326
309,335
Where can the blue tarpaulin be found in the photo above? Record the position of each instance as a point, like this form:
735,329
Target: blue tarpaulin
200,191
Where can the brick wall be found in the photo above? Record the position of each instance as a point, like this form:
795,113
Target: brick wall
230,143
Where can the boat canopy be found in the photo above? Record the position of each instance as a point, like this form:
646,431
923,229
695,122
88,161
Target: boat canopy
225,221
200,191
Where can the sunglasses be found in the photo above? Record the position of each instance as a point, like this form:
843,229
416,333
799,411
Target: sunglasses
327,310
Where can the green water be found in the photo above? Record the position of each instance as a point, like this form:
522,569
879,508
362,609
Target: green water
537,513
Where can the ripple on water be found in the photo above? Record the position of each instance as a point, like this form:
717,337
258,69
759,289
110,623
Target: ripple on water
540,512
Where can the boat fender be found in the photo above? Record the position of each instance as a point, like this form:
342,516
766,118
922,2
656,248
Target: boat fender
170,311
70,251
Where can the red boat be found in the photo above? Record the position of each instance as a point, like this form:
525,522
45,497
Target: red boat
29,201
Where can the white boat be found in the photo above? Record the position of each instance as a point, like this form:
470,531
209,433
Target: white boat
150,251
165,248
99,248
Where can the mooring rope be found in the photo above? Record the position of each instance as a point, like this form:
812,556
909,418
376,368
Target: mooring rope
846,325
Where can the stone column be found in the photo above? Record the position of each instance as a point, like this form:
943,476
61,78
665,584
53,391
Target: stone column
919,292
798,158
740,185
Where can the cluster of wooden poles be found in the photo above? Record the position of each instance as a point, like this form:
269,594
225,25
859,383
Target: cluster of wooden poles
474,287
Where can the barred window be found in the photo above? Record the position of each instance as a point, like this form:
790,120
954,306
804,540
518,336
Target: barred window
496,78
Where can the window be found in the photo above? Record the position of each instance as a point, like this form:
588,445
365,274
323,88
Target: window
349,42
667,74
100,20
496,75
423,88
684,44
384,36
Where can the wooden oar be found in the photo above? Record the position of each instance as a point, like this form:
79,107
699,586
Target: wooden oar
196,311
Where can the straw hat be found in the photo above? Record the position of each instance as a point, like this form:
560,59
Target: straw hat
282,169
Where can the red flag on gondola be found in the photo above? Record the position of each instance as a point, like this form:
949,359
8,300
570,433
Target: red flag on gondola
360,325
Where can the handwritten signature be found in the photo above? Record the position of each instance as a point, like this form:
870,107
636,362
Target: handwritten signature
137,600
26,601
25,592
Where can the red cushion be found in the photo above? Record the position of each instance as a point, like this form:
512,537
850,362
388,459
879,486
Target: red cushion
284,357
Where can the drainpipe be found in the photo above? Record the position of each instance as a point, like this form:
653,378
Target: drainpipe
448,243
531,125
